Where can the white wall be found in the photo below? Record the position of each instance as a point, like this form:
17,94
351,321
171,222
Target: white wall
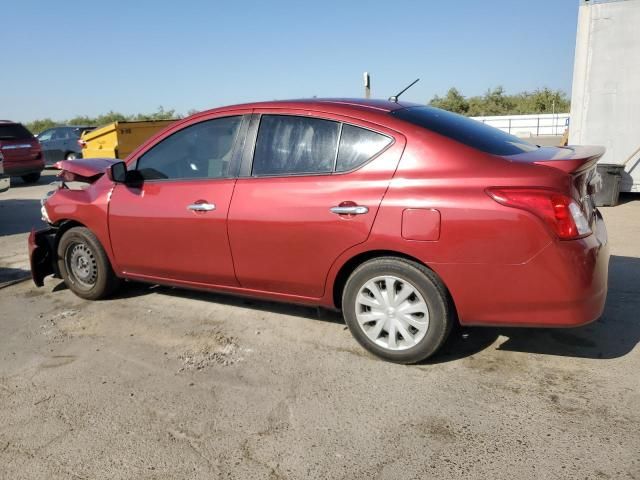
605,102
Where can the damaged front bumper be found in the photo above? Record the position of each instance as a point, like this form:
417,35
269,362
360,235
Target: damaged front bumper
42,254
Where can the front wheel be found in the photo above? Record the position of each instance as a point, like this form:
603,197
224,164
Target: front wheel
84,265
397,309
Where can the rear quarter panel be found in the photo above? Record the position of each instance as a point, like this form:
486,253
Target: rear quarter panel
476,233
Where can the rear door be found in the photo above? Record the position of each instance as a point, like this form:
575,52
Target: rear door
45,138
174,226
310,188
56,146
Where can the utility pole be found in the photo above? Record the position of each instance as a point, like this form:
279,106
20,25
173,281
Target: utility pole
367,85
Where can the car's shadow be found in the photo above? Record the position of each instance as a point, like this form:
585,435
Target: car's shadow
47,176
10,275
613,336
21,215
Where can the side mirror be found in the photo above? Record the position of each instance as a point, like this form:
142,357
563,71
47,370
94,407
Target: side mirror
117,172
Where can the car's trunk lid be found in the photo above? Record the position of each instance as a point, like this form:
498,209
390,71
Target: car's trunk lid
579,162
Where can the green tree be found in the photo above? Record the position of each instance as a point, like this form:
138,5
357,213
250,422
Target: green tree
493,102
453,101
496,102
543,101
38,126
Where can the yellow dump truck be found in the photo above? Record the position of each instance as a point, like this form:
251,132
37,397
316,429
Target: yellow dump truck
119,139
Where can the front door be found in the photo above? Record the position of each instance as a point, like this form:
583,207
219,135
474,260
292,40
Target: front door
312,192
174,226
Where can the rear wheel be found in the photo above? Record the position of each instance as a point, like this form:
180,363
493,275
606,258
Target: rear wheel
71,156
84,265
397,309
31,177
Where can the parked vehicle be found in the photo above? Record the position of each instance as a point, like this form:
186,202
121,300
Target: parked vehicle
406,217
5,181
62,143
119,139
21,151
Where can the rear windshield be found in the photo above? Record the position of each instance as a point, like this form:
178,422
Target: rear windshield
14,131
465,130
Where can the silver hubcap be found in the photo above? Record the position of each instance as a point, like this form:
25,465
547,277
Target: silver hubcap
82,264
392,313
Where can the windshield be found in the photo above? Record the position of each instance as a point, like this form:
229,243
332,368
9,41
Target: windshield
465,130
14,131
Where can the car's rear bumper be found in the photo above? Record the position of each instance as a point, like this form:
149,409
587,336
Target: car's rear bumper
565,285
17,168
42,256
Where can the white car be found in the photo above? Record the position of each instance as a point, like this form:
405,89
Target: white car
4,181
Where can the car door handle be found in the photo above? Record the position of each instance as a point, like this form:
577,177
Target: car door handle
349,210
201,207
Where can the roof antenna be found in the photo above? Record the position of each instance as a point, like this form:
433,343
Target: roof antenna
395,97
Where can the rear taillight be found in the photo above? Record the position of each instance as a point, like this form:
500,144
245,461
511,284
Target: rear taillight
560,212
82,143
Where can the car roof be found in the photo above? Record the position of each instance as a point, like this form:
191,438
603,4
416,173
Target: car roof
326,104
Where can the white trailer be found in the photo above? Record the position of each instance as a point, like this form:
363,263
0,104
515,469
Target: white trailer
605,99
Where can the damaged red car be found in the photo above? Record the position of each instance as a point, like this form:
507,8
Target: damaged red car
407,218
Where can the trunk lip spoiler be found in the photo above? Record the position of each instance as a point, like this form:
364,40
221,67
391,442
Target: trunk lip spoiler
571,159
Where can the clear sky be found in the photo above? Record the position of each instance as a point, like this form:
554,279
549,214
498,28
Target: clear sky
67,58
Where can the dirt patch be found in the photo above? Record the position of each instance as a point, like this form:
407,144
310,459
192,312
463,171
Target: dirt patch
208,348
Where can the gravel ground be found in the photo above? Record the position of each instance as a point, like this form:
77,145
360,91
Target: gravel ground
161,383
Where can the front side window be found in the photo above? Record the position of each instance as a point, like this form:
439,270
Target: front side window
202,150
295,145
357,146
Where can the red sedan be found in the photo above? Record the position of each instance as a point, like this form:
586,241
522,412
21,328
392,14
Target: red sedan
407,218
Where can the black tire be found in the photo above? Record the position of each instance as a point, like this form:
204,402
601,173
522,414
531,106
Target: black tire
71,156
31,177
426,283
84,265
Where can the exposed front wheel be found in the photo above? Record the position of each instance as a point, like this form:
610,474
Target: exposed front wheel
84,265
397,309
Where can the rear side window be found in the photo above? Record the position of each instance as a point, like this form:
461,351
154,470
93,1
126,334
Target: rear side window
465,130
14,131
295,145
358,145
